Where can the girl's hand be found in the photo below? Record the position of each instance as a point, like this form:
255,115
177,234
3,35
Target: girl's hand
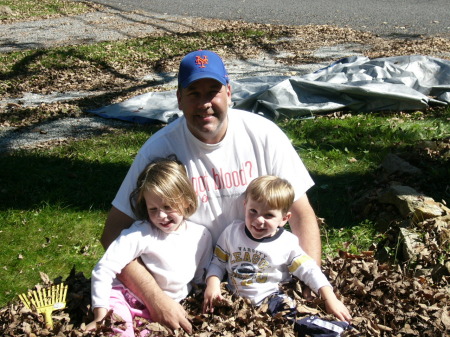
99,314
91,326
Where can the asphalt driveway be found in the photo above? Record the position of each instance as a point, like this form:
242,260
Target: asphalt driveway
388,18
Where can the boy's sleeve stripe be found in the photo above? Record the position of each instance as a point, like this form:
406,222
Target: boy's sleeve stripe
298,261
221,254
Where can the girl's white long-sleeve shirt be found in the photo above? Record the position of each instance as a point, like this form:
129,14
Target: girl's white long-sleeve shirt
174,259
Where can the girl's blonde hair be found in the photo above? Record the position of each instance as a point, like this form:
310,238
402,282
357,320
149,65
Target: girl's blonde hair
168,179
275,192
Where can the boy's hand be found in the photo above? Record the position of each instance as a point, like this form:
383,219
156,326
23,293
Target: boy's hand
337,308
333,305
212,294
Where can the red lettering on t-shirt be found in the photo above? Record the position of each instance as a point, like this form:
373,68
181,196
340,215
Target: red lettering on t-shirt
222,180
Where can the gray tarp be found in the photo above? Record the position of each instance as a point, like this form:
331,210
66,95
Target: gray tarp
355,83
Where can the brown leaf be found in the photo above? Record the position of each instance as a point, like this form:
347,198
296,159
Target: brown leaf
445,318
45,278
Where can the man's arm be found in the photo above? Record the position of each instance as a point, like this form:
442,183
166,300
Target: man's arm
304,225
115,223
138,279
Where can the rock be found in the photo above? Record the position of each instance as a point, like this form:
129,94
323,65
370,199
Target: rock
412,244
401,197
419,272
427,209
394,164
443,230
6,11
438,272
411,203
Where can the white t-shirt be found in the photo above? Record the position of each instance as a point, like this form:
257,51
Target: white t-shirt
256,267
253,146
174,259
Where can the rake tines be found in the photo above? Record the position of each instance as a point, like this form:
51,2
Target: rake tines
45,301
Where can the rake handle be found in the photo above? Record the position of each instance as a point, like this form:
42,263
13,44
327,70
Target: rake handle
47,312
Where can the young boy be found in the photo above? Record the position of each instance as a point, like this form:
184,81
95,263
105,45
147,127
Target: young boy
258,254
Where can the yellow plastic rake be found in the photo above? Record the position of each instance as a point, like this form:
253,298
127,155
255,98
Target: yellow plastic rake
45,301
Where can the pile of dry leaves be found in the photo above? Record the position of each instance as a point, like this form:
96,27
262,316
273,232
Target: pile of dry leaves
383,298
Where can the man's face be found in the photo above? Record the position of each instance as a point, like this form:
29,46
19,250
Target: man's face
205,106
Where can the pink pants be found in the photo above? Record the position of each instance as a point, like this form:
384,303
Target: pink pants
127,306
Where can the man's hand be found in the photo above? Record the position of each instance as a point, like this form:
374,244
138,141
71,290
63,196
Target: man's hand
169,313
162,308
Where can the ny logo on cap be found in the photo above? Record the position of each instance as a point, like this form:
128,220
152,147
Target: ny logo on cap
201,61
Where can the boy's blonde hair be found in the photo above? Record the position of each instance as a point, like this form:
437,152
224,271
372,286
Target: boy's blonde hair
275,192
167,178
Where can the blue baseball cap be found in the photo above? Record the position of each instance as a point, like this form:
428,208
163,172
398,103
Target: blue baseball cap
201,64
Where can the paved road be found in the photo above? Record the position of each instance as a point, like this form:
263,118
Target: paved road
388,18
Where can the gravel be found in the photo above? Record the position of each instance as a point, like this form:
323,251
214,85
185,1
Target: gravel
56,132
105,25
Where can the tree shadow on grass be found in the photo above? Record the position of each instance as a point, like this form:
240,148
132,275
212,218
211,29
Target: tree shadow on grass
347,199
30,179
341,145
332,198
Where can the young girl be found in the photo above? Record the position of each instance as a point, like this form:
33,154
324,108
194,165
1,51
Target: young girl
175,250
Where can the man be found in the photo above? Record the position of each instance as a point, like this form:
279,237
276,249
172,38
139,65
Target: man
223,149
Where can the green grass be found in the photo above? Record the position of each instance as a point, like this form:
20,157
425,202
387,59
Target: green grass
126,52
46,238
115,62
352,239
26,9
53,202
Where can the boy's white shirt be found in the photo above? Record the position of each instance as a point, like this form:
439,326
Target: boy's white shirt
255,269
174,259
253,146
